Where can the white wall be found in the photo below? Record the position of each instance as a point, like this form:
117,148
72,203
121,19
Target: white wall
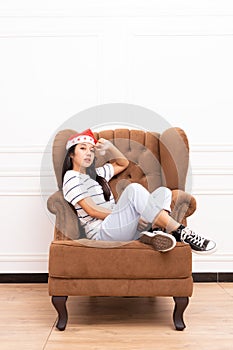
60,57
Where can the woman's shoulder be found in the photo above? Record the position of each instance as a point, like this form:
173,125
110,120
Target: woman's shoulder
72,174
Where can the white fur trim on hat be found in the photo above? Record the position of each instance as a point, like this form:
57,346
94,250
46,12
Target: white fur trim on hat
85,136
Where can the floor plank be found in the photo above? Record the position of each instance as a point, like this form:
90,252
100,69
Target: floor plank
28,318
145,323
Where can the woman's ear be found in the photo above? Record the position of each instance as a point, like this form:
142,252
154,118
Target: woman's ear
71,154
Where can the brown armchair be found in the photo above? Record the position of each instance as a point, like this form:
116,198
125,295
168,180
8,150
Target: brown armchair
81,267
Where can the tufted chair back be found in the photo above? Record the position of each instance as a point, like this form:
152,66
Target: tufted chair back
155,160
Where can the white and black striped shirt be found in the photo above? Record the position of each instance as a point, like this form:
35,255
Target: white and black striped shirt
77,186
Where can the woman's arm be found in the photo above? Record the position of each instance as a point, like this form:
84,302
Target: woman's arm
94,210
116,158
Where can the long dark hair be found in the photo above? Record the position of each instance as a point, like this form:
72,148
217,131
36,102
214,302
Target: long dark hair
68,165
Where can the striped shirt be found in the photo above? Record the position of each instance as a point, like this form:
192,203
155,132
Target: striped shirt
77,186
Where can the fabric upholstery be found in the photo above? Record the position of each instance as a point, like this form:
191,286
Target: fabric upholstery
152,164
174,153
81,267
79,261
177,287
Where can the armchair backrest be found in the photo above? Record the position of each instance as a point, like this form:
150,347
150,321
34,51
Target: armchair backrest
155,160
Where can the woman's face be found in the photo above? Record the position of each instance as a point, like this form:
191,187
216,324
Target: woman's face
83,156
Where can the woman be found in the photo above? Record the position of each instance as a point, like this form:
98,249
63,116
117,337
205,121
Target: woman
87,189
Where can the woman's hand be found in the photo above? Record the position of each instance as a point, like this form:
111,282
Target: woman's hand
102,145
143,225
114,156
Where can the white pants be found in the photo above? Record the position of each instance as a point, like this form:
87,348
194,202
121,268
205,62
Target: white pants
134,202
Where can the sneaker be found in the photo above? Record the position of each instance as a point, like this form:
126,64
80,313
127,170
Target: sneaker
198,243
161,241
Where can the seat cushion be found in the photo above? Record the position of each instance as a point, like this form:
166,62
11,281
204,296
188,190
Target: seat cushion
127,260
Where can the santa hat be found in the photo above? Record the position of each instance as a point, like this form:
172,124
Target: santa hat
82,137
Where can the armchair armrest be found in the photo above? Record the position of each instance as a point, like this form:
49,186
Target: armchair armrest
183,205
174,154
66,226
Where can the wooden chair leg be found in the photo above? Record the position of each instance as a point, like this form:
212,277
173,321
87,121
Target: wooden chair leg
60,305
180,305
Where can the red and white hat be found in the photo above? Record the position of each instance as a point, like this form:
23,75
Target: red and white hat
82,137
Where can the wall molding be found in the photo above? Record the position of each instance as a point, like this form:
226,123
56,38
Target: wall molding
103,8
23,263
216,258
212,192
212,171
23,258
211,148
29,173
171,25
24,149
22,194
43,148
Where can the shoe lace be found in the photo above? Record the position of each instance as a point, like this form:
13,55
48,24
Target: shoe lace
191,236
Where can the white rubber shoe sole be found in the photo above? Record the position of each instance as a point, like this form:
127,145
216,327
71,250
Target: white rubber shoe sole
161,241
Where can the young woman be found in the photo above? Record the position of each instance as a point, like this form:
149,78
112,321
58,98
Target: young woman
87,189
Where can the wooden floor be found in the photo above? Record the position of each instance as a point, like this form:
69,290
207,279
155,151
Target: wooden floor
27,321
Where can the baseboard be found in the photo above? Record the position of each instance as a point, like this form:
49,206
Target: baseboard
43,277
213,277
23,278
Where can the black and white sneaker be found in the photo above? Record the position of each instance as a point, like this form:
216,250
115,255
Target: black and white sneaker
160,241
198,243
